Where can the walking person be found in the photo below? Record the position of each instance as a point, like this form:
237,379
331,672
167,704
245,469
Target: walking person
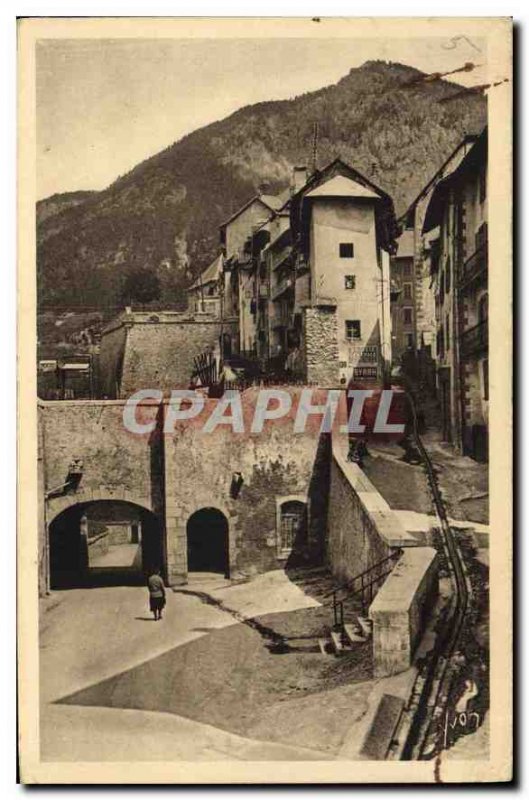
156,593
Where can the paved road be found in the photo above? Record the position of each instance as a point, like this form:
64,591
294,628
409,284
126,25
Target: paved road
118,555
88,635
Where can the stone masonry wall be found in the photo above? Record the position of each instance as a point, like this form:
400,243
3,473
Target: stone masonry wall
110,361
353,542
180,472
159,351
361,527
275,464
400,609
320,340
114,460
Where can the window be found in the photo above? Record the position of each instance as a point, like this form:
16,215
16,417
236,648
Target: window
483,309
486,379
441,342
353,329
346,250
350,281
482,185
407,291
481,236
408,316
409,340
292,525
406,268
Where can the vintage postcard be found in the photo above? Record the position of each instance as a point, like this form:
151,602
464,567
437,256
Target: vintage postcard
265,371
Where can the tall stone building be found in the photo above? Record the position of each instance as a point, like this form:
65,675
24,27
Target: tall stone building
239,284
423,253
458,211
313,284
403,311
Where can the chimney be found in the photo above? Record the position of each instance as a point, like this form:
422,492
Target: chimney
299,178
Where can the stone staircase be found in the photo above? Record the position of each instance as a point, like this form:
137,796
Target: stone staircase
346,637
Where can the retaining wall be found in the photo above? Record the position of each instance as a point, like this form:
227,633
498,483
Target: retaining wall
361,527
400,609
361,530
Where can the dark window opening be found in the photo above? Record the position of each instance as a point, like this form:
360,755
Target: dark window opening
407,291
483,309
408,316
292,525
482,185
350,281
346,250
480,237
440,343
353,329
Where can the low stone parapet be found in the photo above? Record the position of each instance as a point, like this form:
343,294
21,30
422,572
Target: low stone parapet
400,609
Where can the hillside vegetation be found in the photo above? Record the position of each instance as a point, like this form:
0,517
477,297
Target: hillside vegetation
164,215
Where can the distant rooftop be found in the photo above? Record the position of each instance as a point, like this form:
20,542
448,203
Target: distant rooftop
271,201
405,245
209,275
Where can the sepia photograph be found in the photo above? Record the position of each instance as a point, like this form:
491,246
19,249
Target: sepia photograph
266,442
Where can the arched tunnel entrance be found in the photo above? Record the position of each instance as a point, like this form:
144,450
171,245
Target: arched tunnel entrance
104,543
207,542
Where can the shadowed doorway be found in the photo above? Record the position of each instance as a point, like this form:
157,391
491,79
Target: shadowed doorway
207,542
104,543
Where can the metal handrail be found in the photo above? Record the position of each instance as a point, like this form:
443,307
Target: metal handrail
392,557
337,605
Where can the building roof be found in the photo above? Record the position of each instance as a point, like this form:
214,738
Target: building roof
476,156
468,140
209,275
406,244
271,201
336,179
340,186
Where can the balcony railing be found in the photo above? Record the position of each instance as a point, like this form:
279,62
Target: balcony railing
475,340
474,267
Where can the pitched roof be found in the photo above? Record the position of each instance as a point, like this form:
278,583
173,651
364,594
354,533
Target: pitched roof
405,244
272,202
468,141
340,186
339,167
340,178
474,158
210,274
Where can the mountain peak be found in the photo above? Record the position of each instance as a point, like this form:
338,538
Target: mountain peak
164,214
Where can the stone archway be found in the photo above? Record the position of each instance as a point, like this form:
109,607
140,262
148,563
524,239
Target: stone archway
208,542
104,542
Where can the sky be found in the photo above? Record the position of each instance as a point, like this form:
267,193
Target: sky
104,105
